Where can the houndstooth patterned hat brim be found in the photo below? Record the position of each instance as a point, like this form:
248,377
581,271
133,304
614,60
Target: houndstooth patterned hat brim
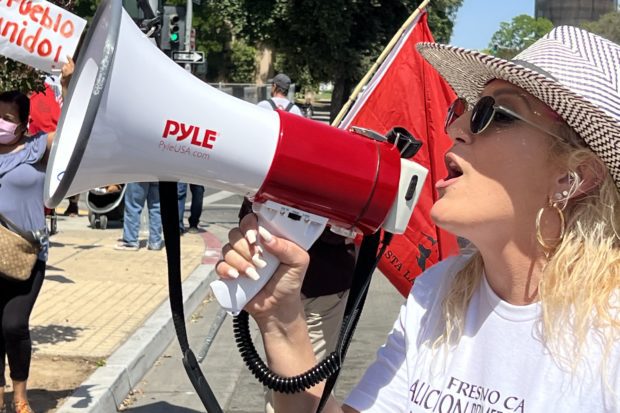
574,72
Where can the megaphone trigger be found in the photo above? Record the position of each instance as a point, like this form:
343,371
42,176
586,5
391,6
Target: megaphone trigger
296,225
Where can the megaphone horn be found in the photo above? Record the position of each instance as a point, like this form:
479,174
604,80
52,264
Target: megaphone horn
133,115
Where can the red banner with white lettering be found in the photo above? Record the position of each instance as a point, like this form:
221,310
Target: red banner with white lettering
406,91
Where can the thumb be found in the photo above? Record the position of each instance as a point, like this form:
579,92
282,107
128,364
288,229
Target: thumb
287,252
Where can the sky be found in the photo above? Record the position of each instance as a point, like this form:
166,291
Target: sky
478,20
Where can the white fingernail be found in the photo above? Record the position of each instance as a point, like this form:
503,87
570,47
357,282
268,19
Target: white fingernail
251,236
258,262
265,235
251,273
232,273
259,249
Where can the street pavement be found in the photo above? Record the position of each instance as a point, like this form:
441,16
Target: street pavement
94,296
166,388
111,307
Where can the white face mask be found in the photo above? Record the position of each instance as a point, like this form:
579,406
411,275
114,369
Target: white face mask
7,132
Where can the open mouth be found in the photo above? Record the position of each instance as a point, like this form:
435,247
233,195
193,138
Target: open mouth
454,170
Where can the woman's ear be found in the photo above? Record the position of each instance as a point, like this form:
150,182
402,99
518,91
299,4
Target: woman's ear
592,174
581,181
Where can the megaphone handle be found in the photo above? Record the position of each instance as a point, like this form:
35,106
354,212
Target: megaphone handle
295,225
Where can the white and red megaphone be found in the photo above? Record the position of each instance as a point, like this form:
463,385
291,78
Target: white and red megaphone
133,115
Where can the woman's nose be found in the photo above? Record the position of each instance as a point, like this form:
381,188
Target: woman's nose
459,130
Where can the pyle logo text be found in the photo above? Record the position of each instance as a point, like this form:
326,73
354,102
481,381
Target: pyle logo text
183,131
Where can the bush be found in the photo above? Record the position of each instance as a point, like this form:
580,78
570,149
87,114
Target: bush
243,63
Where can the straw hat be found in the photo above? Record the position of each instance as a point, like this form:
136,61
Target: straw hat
576,73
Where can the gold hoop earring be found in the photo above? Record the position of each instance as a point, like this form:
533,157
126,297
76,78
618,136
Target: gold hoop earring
539,236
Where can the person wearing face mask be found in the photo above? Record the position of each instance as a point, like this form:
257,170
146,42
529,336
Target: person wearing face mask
22,174
527,320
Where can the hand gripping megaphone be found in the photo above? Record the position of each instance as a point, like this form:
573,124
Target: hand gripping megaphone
133,115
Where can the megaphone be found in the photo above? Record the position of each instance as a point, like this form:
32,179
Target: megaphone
133,115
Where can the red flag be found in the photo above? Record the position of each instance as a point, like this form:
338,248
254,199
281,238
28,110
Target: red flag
406,91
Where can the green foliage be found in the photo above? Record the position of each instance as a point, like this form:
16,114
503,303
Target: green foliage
243,61
513,37
314,40
441,17
321,37
84,8
17,76
333,41
217,29
608,26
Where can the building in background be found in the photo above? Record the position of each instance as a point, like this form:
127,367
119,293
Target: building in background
573,12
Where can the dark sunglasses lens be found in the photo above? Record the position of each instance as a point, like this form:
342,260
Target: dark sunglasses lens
482,114
457,108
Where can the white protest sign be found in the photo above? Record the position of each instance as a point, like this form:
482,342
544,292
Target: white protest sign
38,33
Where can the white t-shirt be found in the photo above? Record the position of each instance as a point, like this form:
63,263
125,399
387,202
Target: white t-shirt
281,103
499,365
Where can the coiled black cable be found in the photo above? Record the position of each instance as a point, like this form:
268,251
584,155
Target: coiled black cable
265,376
324,369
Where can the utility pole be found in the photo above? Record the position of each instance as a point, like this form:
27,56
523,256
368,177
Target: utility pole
188,30
155,6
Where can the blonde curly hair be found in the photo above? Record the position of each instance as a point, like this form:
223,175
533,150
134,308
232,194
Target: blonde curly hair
580,284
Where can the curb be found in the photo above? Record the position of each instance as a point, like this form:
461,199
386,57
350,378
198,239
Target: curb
109,385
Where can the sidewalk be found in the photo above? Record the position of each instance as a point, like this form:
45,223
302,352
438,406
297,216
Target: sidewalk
94,298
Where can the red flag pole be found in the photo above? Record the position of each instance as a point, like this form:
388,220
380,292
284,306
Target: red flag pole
378,63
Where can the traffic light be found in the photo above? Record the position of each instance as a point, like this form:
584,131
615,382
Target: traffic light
173,29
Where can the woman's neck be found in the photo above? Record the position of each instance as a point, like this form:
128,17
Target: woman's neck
513,272
13,147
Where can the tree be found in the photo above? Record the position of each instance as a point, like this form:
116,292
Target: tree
216,36
18,76
313,40
441,16
607,26
214,21
243,59
333,41
512,38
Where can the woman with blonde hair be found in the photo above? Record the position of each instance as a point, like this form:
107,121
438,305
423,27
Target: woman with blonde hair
529,320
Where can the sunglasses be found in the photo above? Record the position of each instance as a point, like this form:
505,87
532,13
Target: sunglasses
484,112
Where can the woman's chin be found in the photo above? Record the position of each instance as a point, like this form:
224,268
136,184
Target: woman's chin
446,216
